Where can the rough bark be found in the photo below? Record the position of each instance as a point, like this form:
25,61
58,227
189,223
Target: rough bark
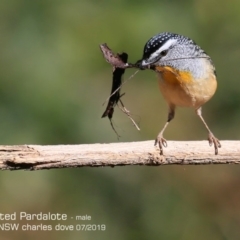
36,157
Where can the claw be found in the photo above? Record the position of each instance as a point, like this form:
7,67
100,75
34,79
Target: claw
161,142
213,140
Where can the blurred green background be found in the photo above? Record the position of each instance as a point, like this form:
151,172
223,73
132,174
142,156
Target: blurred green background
53,81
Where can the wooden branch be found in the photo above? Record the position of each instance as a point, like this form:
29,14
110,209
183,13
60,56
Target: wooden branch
36,157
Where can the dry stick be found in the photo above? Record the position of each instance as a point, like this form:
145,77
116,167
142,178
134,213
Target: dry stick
121,86
119,63
36,157
116,83
118,136
124,109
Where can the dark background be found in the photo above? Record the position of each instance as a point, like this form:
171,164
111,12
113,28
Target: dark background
53,81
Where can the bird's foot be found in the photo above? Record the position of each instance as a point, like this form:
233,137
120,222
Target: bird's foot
213,140
161,142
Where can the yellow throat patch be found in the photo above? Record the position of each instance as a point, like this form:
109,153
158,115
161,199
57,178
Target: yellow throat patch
174,76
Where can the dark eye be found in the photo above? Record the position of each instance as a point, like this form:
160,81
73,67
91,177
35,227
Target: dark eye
164,53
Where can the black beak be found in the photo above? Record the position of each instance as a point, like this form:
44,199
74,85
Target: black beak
139,65
142,65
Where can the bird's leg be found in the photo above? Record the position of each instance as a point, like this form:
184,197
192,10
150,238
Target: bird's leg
211,138
160,141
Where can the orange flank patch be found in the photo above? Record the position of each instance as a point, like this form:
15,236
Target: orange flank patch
174,76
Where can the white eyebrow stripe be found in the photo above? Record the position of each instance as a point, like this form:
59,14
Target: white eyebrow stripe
165,46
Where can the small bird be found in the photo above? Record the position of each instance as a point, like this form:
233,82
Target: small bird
187,76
